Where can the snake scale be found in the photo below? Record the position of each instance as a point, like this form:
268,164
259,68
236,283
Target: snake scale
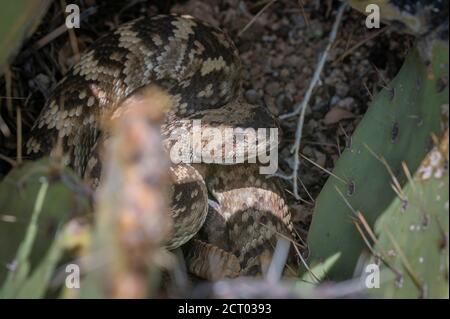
227,212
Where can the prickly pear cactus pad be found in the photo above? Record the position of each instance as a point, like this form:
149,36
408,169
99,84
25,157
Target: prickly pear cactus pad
18,20
64,198
396,129
412,245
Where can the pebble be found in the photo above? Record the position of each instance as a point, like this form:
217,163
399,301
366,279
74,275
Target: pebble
342,89
334,100
252,96
284,73
269,38
347,103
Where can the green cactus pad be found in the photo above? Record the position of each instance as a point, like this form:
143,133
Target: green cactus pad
413,234
28,230
396,128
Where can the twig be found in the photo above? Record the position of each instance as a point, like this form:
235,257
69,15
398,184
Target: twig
8,86
8,160
255,17
12,98
59,31
42,42
19,135
303,105
302,8
4,129
320,65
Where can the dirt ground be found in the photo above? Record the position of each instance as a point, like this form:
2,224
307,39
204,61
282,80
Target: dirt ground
280,43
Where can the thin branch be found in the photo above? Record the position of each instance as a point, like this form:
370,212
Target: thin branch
302,8
19,135
303,105
8,160
4,129
320,65
255,17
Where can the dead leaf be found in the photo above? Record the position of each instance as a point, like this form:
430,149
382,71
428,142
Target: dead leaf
336,114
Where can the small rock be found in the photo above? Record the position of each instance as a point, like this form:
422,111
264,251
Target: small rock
252,96
269,38
335,100
284,73
347,103
342,89
298,20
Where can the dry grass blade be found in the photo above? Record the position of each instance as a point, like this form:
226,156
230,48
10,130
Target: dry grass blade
346,201
19,135
8,86
396,185
8,160
323,169
357,45
299,254
364,237
248,25
4,129
302,8
367,227
42,42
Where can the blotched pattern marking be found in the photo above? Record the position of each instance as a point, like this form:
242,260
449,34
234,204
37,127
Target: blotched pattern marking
198,66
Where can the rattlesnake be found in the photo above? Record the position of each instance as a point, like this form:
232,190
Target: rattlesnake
198,66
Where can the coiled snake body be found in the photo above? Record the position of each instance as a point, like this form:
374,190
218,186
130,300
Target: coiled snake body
199,68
